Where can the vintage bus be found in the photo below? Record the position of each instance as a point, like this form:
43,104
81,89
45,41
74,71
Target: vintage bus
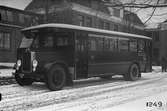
57,54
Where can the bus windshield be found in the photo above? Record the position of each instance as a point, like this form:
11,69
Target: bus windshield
27,39
26,42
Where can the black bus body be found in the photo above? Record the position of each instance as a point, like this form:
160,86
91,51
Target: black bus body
60,53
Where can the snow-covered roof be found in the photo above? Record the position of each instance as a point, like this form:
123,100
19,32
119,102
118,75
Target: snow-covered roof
75,27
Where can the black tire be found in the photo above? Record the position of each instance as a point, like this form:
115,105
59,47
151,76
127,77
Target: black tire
133,73
56,78
23,81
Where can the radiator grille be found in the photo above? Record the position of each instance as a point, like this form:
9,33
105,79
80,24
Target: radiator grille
26,62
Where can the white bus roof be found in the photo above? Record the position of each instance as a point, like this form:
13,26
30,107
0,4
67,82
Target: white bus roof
75,27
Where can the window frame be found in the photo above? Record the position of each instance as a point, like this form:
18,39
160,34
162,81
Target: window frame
133,45
3,15
88,21
4,38
122,44
81,20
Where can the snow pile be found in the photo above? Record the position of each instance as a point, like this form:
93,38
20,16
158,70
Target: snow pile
6,73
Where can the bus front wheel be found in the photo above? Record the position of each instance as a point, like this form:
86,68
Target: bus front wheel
133,73
23,81
56,78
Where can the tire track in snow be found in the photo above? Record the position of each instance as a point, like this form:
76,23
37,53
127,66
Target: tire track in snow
108,99
67,95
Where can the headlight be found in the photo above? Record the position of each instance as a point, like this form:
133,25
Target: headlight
19,63
34,63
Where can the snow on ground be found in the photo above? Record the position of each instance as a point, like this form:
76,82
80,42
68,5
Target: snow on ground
6,73
7,70
140,104
7,64
107,98
87,95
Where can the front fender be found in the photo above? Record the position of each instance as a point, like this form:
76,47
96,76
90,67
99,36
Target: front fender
48,66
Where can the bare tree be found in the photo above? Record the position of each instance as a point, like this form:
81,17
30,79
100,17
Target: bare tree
138,5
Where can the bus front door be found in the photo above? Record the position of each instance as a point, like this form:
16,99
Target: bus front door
81,58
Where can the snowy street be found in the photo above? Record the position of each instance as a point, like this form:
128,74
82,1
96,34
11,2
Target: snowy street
94,94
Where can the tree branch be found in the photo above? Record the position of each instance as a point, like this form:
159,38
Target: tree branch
136,5
152,13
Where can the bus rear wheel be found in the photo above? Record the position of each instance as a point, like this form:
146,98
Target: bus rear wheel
56,78
133,73
23,81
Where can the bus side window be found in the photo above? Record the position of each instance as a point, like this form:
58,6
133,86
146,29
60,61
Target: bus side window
77,46
133,45
123,44
92,44
62,41
112,44
141,45
106,44
48,42
100,43
82,45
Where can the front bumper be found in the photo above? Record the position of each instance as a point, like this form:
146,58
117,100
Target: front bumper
21,74
33,75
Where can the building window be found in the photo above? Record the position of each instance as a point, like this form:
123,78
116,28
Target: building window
116,12
107,26
115,27
10,16
27,20
3,15
21,18
81,20
4,40
101,24
35,20
6,15
89,22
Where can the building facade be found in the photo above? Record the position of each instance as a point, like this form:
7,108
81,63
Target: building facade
11,22
162,40
89,13
159,39
154,33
